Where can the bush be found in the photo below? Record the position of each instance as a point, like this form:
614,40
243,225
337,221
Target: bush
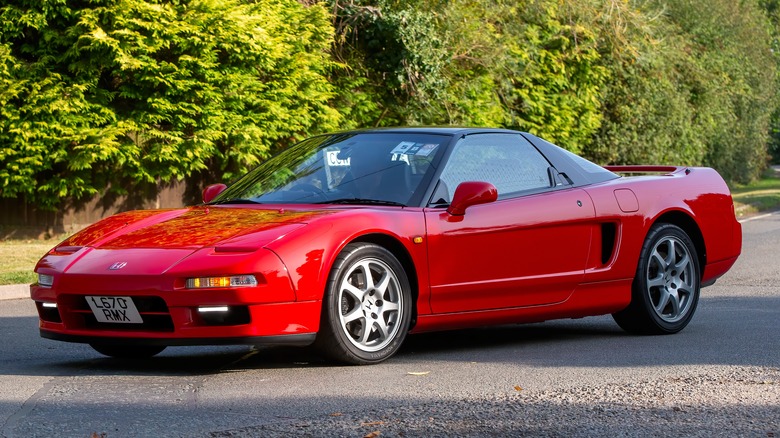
125,93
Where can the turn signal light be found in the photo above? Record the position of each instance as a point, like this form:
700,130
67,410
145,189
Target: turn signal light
212,282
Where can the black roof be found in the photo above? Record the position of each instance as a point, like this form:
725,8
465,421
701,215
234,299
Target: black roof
580,171
441,130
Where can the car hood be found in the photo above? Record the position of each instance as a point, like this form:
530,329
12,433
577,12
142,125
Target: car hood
192,228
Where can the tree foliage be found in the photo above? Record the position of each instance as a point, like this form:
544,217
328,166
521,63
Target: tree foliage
529,65
117,93
772,9
620,81
120,95
701,89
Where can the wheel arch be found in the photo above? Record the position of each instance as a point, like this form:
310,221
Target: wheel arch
400,252
691,228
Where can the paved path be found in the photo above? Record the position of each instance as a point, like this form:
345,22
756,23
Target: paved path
14,291
585,378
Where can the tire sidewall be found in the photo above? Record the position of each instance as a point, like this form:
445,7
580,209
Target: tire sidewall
642,292
352,254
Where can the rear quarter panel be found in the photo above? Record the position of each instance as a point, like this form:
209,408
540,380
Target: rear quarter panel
698,193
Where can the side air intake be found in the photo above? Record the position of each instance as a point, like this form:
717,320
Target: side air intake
608,238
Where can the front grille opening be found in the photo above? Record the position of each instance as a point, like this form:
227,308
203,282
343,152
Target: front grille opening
48,314
152,323
153,310
150,304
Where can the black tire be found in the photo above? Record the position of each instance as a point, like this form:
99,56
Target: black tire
128,351
365,318
666,287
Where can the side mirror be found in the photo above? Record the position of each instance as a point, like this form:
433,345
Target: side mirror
471,193
211,192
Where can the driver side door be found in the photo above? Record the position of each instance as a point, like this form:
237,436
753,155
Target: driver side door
528,248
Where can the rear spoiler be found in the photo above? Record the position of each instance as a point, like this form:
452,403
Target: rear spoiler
644,169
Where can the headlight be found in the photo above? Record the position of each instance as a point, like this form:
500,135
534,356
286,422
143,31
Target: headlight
45,280
231,281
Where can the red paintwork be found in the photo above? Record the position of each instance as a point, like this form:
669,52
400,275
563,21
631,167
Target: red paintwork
211,192
518,252
525,259
471,193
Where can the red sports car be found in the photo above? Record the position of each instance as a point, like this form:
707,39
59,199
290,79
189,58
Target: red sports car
350,241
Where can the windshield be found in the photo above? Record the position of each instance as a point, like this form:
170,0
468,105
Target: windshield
352,168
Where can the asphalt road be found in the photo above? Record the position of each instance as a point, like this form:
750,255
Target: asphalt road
718,377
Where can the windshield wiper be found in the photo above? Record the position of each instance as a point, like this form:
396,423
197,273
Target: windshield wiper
362,201
234,201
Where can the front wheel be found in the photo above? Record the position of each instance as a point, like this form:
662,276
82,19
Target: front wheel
127,351
666,287
367,306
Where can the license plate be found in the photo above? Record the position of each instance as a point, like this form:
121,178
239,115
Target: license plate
114,309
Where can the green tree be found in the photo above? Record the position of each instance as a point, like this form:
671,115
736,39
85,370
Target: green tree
648,111
122,94
556,78
126,95
529,65
772,9
735,82
699,88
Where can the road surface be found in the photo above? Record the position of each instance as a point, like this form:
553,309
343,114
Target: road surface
718,377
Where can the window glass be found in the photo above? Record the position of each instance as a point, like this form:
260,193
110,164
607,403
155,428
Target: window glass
587,166
354,168
507,161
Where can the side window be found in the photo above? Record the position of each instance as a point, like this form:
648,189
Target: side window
508,161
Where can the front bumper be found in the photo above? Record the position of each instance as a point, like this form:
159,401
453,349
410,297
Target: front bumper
302,339
168,319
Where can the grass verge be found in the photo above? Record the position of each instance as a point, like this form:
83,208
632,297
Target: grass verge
762,195
18,258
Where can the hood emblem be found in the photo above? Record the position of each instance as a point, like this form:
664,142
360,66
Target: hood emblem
117,266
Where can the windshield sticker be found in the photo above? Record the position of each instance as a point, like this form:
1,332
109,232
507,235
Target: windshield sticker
426,149
411,148
403,147
333,160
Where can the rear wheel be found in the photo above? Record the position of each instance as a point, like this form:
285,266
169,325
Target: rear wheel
127,351
666,287
367,306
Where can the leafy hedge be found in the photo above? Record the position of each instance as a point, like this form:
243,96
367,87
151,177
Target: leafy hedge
118,96
122,93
